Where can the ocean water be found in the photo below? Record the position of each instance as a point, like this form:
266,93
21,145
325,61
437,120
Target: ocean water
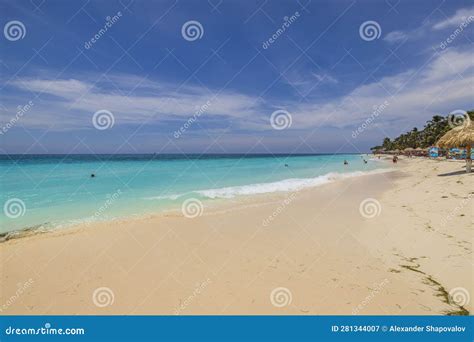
53,190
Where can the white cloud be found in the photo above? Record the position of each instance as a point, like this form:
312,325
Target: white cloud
326,78
130,99
457,19
441,86
463,15
395,36
445,83
304,82
61,88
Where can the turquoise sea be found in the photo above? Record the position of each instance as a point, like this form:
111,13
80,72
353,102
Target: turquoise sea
55,190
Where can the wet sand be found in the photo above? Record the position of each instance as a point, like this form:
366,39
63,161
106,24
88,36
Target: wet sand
392,243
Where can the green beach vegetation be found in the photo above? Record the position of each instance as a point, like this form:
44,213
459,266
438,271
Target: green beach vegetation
428,136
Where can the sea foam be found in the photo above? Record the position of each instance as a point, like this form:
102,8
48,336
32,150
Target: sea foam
286,185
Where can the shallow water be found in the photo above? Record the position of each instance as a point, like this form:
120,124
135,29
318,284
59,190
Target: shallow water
55,190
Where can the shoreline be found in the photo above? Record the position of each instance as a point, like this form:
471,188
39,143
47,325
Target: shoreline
44,228
317,245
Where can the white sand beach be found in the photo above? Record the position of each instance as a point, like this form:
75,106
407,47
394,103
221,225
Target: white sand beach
393,243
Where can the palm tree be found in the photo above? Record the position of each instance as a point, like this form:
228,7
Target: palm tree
433,130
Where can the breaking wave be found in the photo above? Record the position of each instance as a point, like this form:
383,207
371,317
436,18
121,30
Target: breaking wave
286,185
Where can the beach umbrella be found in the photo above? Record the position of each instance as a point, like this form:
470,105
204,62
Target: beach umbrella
408,151
419,151
460,136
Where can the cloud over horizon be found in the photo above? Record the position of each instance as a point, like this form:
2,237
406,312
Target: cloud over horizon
327,77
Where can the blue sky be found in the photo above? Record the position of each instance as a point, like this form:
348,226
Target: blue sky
216,94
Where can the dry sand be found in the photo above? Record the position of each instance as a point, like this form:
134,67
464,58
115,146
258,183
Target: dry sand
310,252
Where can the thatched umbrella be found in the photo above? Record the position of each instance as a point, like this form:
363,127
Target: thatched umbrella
461,136
419,151
408,151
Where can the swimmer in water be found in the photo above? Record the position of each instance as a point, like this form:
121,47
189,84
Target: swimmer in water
92,175
345,162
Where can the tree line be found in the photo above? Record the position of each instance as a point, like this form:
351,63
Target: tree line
433,130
